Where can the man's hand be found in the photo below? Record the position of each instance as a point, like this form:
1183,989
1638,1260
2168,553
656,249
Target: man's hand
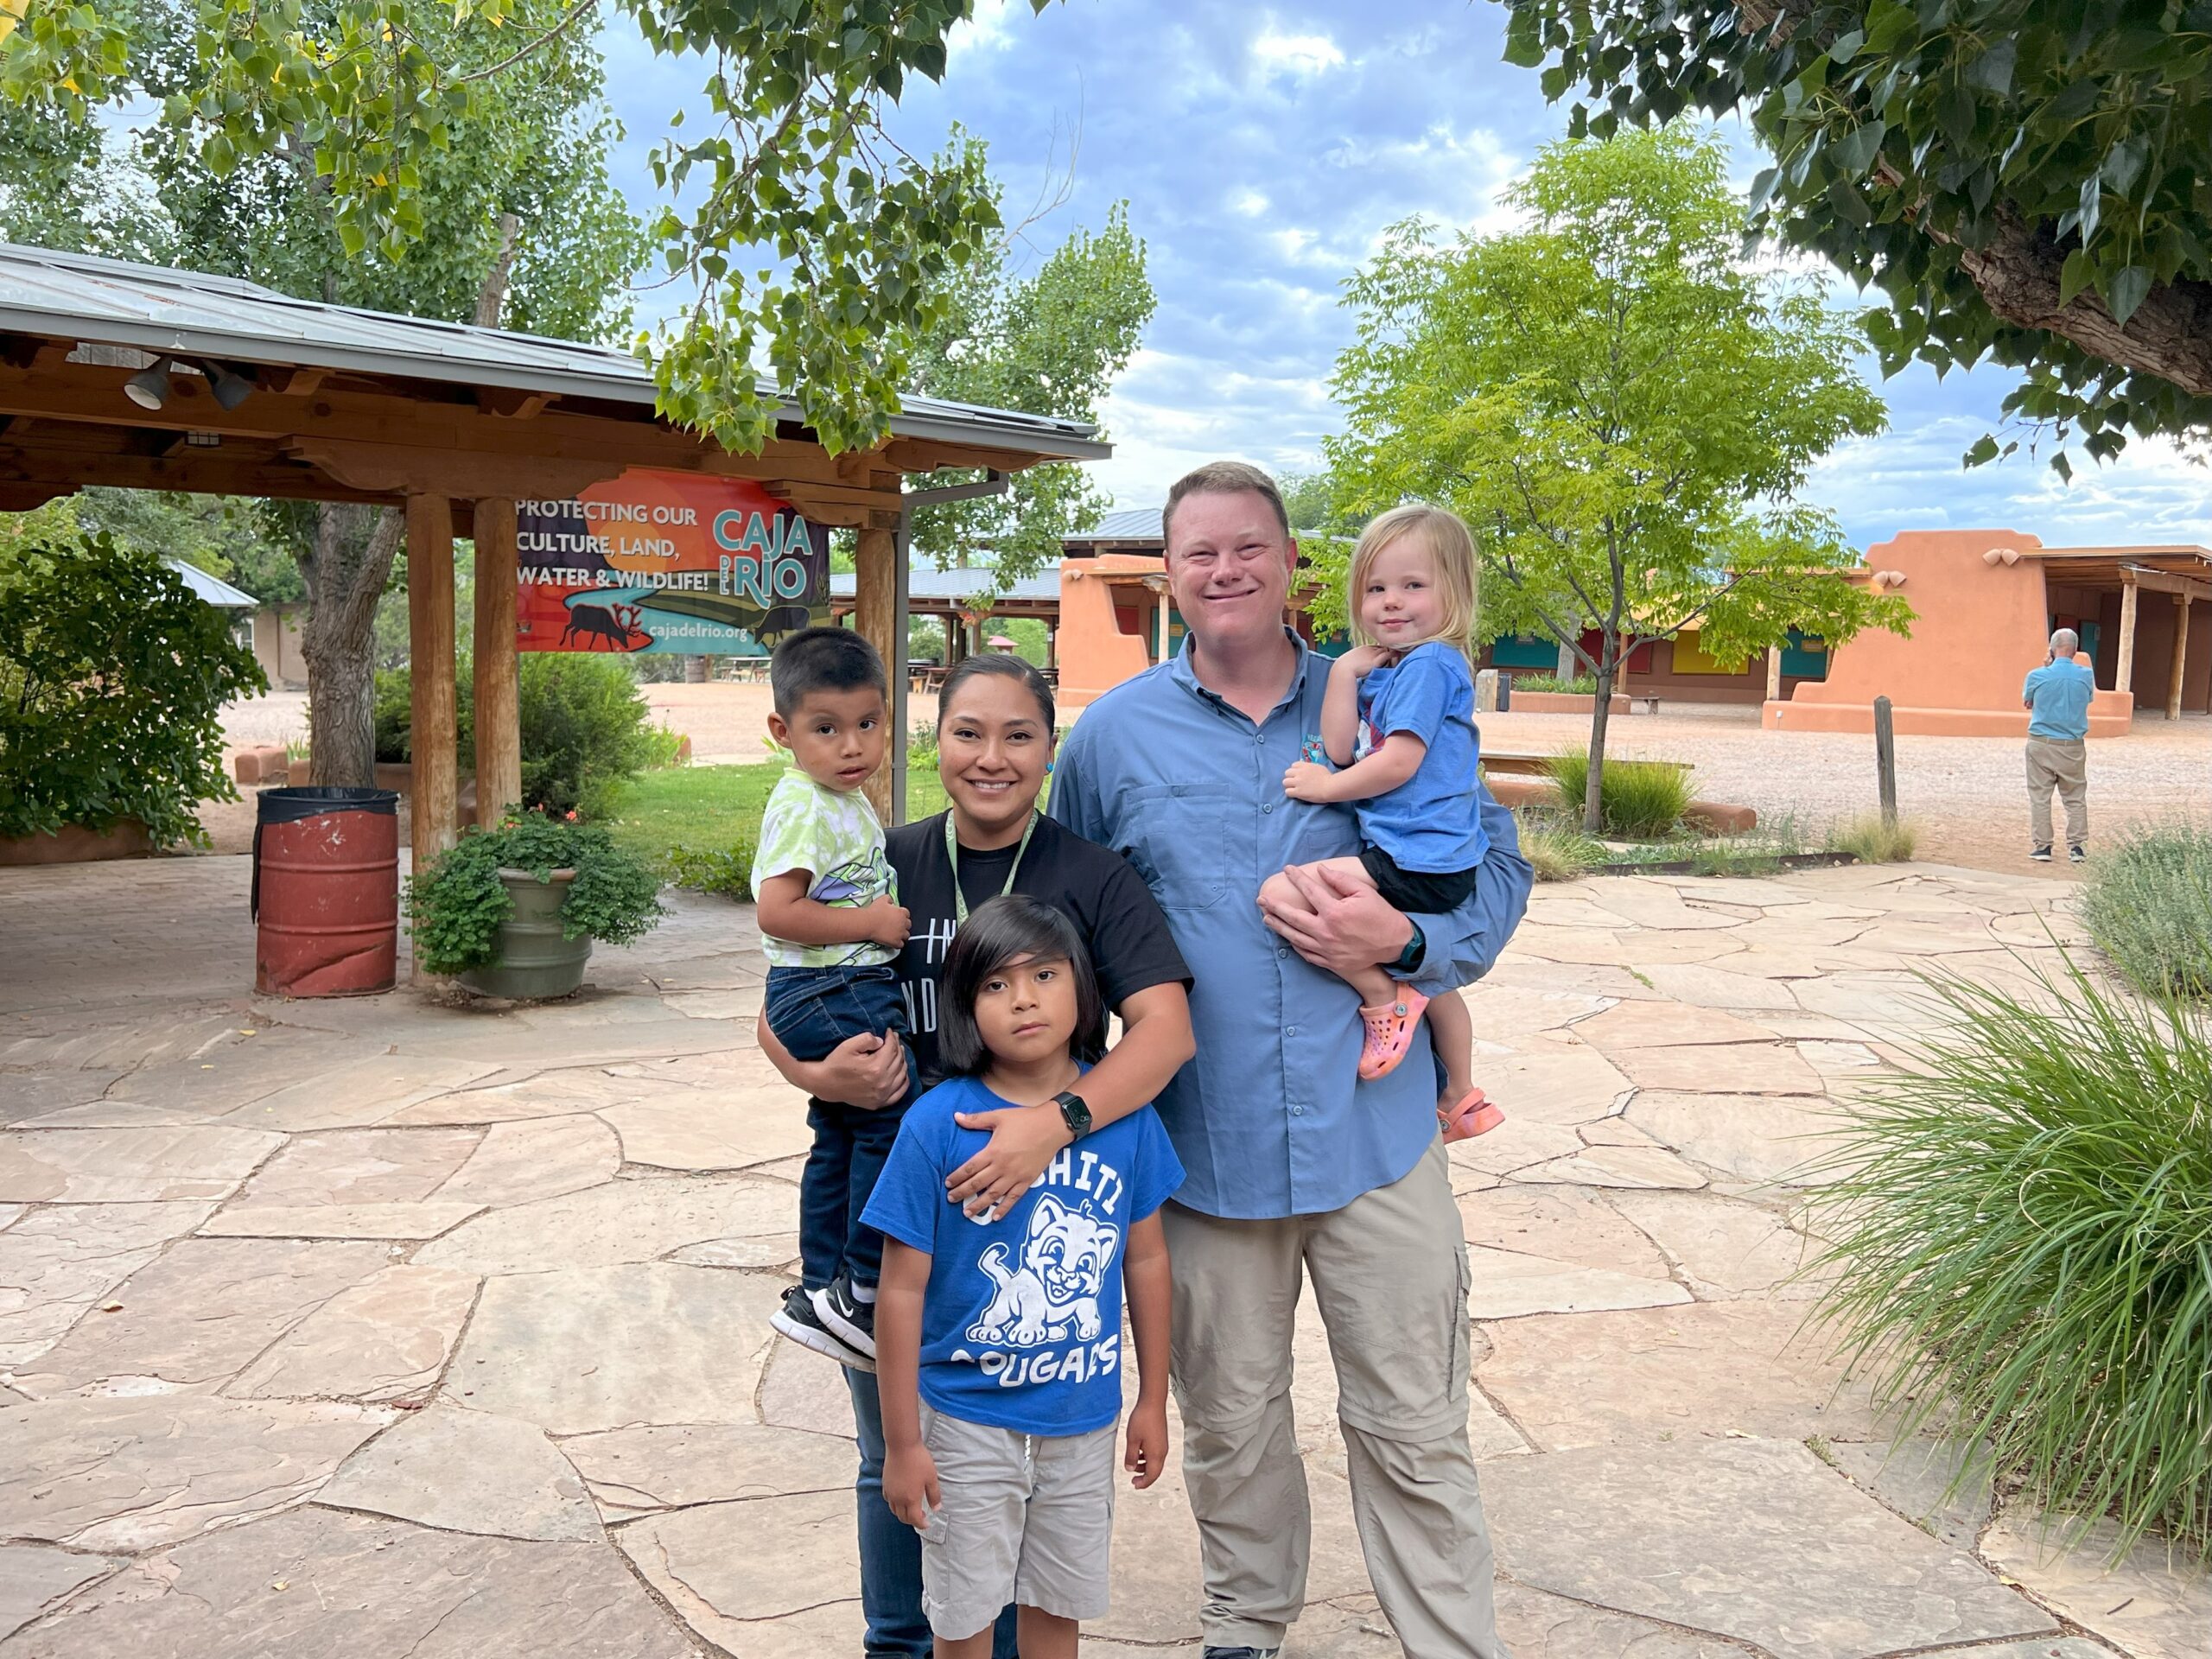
910,1483
1307,781
1351,926
1024,1140
866,1071
1146,1457
888,924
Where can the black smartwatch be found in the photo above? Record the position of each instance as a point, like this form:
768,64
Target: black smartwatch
1075,1112
1416,948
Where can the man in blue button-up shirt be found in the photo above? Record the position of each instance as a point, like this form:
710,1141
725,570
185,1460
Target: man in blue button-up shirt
1295,1168
2057,697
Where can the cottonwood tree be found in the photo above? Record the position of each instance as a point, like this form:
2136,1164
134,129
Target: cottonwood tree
1622,409
1052,342
817,248
2027,180
519,222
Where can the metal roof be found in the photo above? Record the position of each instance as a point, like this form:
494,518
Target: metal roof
214,589
192,314
964,583
1124,525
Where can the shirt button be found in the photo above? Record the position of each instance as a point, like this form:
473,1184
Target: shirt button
1282,950
1290,1031
1269,807
1298,1111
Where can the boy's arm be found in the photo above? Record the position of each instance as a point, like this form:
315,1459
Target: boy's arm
910,1485
785,912
1382,771
1146,1277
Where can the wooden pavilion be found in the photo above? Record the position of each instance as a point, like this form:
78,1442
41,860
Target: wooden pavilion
144,378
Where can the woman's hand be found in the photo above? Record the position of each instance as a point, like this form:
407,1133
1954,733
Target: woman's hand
1024,1140
866,1071
910,1483
1308,780
1146,1457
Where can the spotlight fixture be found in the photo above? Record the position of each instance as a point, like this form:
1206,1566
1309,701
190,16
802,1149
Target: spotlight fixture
230,388
149,387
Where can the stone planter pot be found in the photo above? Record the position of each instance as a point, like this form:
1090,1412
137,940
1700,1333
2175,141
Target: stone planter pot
535,962
1564,702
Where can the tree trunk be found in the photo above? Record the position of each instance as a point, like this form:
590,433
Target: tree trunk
1593,799
346,576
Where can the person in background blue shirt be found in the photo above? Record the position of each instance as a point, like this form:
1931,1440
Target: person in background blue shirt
2056,697
999,1350
1297,1168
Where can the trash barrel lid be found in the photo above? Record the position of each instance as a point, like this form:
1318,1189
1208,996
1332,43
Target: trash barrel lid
313,801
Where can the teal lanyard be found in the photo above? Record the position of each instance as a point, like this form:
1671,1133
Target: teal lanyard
952,857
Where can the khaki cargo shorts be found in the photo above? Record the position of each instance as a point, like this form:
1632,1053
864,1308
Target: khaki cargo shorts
1025,1519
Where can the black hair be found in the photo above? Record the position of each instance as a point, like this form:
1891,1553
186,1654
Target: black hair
1011,668
823,659
1002,929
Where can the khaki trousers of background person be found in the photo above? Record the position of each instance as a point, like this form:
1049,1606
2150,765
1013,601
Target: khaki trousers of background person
1389,1271
2063,763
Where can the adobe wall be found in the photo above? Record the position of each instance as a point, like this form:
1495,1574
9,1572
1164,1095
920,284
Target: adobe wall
1978,628
1093,654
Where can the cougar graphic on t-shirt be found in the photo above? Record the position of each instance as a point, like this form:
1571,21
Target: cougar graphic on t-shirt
1062,1264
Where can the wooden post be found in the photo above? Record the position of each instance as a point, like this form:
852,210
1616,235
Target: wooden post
1052,646
434,808
2123,678
499,713
1159,618
875,612
1886,760
1774,673
2181,655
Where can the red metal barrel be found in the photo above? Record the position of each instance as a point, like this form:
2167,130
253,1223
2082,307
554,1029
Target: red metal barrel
325,891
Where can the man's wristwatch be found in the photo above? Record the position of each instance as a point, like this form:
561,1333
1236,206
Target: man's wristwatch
1416,948
1075,1112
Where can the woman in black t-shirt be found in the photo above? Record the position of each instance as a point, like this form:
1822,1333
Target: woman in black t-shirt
994,749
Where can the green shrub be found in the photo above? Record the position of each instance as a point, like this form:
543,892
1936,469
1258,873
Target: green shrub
455,911
664,747
1640,799
113,674
1577,685
727,871
2148,905
1557,853
586,729
2024,1247
1871,841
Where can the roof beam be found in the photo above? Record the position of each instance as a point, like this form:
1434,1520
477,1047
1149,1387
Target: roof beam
511,404
196,472
2164,581
403,469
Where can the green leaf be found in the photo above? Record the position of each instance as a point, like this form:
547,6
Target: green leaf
2073,276
1523,45
2125,290
1993,71
1983,451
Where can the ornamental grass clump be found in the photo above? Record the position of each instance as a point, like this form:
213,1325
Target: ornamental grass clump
2148,905
2023,1247
454,911
1642,800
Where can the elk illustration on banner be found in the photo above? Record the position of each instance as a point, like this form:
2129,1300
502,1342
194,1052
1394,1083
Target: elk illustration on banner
668,562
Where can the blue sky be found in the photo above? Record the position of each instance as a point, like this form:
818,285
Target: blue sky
1262,151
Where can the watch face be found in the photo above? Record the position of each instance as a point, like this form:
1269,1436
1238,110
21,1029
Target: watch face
1075,1112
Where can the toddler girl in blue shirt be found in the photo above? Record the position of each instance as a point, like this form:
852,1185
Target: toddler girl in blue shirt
1398,723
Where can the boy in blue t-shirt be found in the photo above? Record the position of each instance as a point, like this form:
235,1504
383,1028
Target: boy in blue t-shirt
998,1348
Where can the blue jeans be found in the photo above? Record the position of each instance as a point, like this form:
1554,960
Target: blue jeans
891,1551
812,1010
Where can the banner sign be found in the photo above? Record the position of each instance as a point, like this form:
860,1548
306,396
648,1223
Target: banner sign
668,562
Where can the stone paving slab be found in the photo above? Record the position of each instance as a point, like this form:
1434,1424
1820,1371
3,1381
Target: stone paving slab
385,1338
56,1261
1754,1541
34,1578
314,1584
338,1220
631,1472
468,1471
633,1220
2149,1604
128,1165
136,1473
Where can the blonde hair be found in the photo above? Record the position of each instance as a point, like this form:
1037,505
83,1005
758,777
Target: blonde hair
1451,550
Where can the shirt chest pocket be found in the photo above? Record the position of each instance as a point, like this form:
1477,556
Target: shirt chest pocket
1192,842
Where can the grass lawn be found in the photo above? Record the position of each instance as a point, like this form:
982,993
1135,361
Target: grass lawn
716,809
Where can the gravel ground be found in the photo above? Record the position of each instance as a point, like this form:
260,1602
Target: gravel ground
1965,793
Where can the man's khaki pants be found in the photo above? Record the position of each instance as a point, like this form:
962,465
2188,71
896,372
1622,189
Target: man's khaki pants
2063,763
1390,1270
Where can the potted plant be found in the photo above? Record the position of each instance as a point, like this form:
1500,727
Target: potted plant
512,911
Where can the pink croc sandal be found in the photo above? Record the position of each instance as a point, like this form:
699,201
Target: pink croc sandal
1472,1116
1389,1032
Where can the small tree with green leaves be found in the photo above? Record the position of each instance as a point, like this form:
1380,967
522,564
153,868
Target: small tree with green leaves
1620,406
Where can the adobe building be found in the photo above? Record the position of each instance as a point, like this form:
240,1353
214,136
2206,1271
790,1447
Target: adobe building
1985,603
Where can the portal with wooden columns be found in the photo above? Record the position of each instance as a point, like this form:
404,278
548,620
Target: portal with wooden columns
2123,677
499,697
875,614
2180,657
434,792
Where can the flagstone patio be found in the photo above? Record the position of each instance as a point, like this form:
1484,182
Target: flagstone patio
380,1328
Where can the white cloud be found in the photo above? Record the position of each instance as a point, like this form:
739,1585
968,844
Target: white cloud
1300,56
990,29
1248,202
